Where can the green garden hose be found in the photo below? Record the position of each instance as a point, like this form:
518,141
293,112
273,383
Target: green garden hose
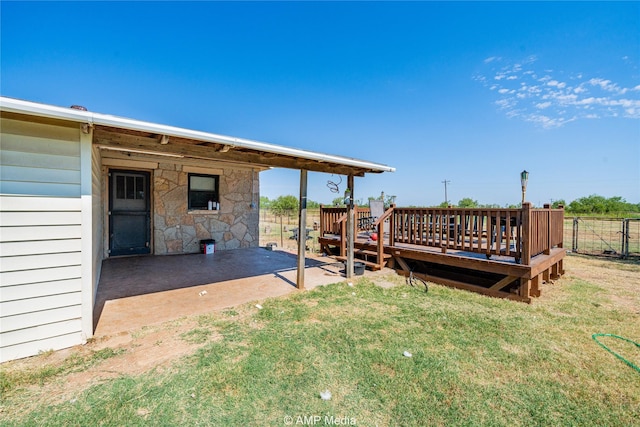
595,338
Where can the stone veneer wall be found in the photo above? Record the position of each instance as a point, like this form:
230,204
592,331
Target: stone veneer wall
176,230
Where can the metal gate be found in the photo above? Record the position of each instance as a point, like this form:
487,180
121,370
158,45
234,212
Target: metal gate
606,236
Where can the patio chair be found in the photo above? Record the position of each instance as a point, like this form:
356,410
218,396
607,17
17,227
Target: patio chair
376,210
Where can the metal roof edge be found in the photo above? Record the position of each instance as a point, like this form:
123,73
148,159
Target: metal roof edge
50,111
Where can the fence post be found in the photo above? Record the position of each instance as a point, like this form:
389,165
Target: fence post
625,238
561,245
574,236
526,233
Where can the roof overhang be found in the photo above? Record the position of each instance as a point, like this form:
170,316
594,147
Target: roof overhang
119,133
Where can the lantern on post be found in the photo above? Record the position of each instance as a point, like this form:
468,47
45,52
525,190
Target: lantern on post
524,177
347,197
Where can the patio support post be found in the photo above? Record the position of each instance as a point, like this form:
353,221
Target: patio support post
350,229
302,229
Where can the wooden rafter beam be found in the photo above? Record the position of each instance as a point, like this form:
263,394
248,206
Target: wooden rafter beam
191,148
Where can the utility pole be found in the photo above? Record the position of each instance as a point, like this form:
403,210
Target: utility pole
446,199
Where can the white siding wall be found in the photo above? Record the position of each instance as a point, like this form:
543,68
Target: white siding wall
97,221
40,238
39,159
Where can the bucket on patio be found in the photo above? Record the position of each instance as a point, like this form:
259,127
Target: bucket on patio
207,246
358,268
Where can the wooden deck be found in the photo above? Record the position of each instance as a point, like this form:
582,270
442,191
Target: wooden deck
463,248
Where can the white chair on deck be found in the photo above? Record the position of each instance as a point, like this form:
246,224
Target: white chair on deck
376,210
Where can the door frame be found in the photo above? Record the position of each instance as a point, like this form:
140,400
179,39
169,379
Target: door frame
109,205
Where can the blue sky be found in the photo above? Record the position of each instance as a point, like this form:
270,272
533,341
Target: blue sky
468,92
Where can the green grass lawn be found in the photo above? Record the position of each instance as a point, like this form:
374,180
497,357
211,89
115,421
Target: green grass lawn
475,361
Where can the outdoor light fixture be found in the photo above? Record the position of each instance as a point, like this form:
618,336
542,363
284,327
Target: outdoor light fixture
347,197
524,177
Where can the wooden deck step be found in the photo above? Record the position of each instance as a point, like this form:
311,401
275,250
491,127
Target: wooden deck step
368,264
371,253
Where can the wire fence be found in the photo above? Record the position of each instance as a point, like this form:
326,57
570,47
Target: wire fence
604,236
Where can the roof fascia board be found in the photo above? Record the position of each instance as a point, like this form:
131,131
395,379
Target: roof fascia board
33,108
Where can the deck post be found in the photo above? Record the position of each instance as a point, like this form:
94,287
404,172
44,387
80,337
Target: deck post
547,249
302,229
392,227
525,287
526,233
535,286
350,229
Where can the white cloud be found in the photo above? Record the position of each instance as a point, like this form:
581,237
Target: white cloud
556,83
524,92
605,85
565,98
633,113
588,101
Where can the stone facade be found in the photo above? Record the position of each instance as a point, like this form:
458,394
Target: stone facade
176,230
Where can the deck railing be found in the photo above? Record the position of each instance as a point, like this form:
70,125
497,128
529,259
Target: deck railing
469,230
546,230
333,220
518,233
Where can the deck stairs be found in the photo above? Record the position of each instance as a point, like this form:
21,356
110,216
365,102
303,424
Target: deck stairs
365,252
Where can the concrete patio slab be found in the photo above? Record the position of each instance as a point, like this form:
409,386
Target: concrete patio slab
138,291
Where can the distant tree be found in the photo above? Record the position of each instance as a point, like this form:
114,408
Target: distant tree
618,204
311,204
490,206
468,203
338,201
265,203
443,205
284,205
595,204
557,203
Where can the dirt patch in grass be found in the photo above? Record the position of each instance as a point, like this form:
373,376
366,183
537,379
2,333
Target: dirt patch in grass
133,353
620,280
